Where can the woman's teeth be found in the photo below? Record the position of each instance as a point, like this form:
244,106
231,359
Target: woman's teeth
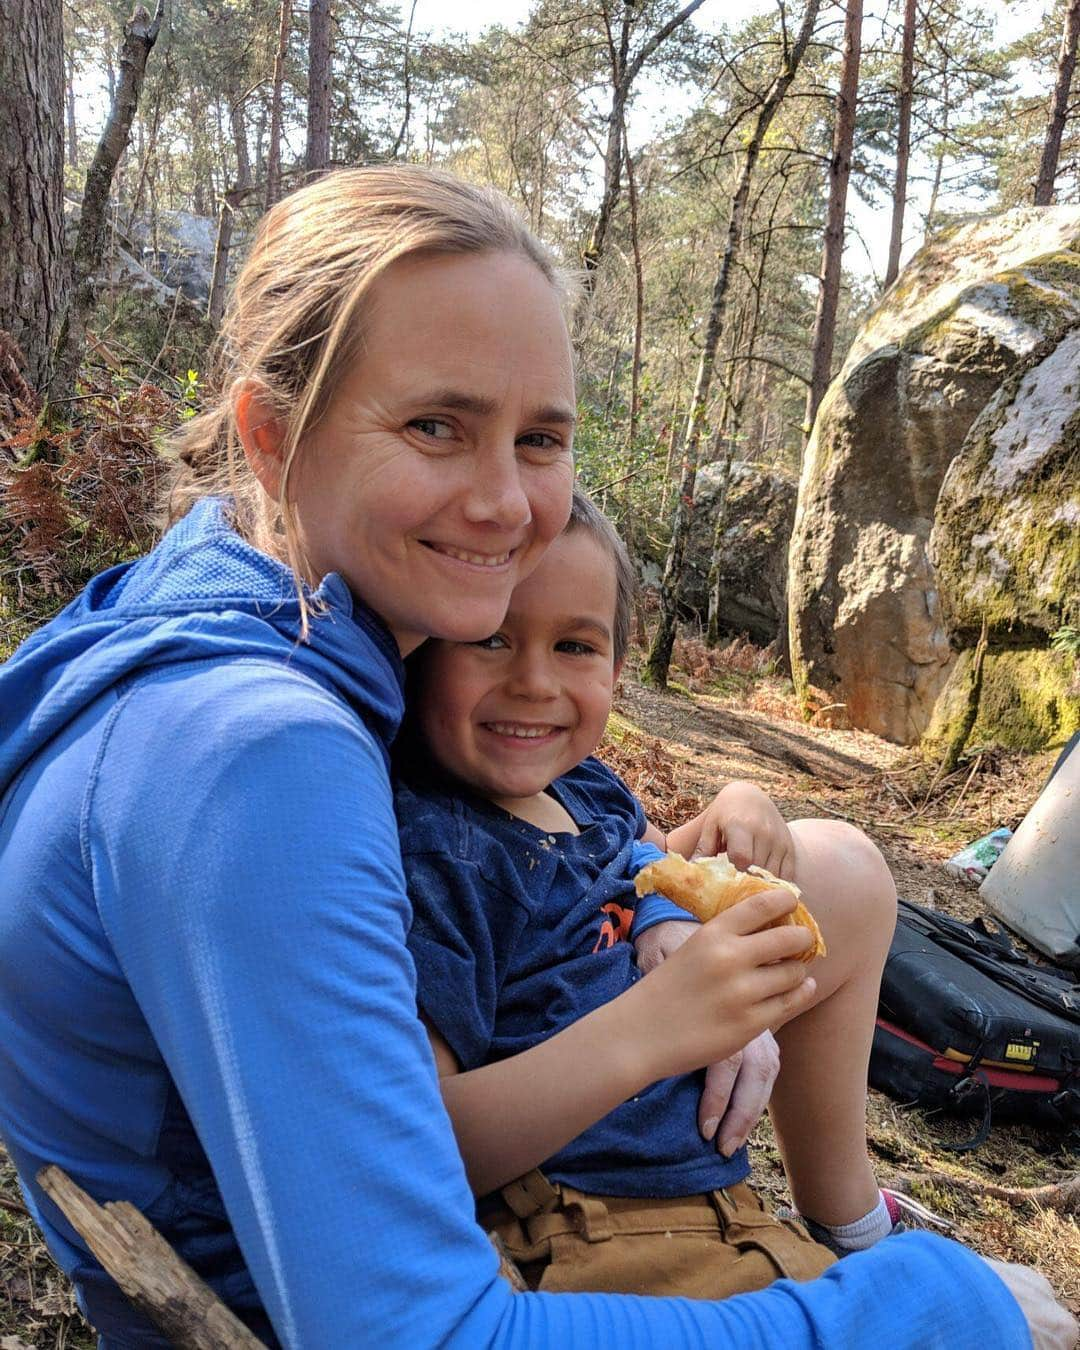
522,733
477,559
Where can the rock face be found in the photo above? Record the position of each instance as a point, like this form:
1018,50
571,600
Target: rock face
966,375
185,252
759,516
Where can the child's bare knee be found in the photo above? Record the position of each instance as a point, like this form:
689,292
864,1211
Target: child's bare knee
840,861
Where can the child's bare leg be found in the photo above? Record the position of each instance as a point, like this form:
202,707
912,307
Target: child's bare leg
818,1105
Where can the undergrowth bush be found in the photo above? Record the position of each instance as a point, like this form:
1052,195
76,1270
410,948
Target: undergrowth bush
74,499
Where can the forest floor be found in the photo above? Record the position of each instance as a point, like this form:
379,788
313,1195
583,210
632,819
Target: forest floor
726,717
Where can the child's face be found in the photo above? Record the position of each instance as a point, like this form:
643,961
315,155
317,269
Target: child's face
509,714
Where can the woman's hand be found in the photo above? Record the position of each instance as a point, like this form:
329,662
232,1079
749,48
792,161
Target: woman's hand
729,981
743,822
738,1088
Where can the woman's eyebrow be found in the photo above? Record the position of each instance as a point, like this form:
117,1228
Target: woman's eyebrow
479,406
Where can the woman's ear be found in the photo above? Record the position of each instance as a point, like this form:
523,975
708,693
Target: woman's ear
262,434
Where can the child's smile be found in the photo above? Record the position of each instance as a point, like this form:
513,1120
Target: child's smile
510,714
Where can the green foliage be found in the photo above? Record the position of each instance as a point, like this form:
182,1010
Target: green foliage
1066,640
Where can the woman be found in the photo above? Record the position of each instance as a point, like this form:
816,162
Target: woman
208,1004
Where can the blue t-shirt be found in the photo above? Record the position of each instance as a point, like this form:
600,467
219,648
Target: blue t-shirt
516,934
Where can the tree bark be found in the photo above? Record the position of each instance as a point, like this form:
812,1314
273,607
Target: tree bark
317,157
903,143
34,276
140,34
1059,107
839,171
273,154
659,659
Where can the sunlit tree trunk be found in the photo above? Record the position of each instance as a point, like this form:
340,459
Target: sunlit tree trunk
832,253
903,143
140,34
1059,107
659,660
72,130
273,154
317,158
624,71
33,278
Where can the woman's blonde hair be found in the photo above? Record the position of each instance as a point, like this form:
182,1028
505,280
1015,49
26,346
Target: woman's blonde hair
294,321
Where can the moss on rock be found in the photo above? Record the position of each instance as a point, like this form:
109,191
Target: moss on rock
1030,700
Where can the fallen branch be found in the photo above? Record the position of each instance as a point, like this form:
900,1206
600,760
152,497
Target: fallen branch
147,1269
12,1205
1061,1196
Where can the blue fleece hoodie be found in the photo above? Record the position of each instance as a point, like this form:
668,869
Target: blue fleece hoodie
207,1007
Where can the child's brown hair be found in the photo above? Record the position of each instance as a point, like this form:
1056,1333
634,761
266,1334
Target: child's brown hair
585,515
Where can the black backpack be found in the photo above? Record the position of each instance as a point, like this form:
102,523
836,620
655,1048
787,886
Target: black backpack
967,1024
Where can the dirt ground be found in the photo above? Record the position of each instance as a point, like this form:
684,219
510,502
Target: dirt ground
720,722
726,717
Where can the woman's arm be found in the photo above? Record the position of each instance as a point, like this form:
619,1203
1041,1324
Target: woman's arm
260,915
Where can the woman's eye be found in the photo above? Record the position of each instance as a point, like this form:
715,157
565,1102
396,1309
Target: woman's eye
434,427
542,442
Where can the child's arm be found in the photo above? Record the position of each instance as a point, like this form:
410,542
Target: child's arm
719,991
742,821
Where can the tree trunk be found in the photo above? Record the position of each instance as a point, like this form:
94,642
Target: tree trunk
317,157
72,130
739,382
34,277
623,74
903,143
140,34
406,80
1059,107
273,154
839,171
232,200
656,669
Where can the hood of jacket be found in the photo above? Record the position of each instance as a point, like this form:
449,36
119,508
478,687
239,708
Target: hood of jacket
203,592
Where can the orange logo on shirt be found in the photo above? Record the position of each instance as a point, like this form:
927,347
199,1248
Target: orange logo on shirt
616,927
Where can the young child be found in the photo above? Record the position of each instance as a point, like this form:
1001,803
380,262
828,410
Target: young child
520,852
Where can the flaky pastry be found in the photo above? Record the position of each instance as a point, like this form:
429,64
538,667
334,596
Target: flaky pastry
708,886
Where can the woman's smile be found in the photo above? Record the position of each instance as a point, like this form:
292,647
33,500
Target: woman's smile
442,469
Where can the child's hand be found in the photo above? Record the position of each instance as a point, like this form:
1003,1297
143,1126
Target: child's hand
728,982
659,941
743,822
738,1088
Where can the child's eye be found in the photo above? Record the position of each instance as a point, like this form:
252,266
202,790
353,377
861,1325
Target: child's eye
576,648
493,643
434,427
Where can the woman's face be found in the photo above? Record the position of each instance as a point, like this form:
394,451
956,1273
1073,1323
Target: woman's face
442,468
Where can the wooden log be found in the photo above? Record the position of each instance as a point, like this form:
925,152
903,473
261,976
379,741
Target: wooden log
147,1269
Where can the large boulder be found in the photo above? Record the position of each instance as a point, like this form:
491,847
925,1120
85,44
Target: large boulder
181,252
753,551
967,327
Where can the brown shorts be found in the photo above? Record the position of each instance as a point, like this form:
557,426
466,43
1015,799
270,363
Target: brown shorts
696,1246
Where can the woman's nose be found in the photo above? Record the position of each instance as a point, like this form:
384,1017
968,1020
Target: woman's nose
498,494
